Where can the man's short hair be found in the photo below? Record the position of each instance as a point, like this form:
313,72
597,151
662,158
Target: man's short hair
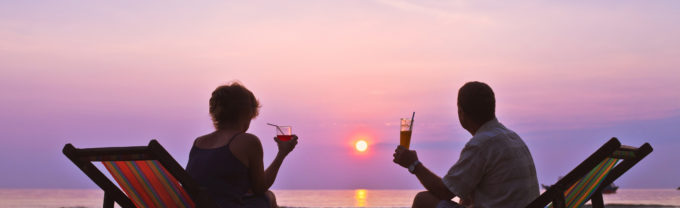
477,101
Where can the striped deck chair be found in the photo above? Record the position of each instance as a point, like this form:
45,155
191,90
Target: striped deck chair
148,175
588,179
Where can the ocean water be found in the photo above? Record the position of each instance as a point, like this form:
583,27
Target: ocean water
305,198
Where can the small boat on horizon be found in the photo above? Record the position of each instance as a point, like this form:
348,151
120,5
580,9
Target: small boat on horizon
610,189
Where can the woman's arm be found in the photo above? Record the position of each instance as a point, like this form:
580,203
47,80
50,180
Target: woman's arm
285,147
261,179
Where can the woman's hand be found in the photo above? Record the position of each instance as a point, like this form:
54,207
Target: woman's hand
286,147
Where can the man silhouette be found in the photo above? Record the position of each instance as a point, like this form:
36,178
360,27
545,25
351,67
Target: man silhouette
495,168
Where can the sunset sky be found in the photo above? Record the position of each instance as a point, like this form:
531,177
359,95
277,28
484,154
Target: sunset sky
567,76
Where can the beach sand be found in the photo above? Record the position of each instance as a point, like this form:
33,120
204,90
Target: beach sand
633,206
588,206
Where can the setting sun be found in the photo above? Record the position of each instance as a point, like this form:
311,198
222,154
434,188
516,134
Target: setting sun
361,145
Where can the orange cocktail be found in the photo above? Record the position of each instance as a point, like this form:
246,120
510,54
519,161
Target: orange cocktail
405,130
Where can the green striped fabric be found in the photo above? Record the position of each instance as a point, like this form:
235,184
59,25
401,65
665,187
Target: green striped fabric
580,192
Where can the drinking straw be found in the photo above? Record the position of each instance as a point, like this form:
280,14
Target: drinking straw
277,128
410,128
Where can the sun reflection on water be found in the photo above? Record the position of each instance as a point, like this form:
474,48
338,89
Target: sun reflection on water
360,197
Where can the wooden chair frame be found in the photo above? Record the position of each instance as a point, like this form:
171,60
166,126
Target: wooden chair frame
83,158
613,149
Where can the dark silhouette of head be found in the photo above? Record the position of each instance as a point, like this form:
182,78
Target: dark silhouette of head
232,106
476,105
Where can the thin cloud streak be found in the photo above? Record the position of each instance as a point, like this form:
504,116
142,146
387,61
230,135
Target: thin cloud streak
442,14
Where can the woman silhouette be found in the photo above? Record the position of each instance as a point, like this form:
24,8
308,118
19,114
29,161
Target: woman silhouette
228,161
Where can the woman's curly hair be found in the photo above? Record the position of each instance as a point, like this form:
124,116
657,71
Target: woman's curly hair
231,104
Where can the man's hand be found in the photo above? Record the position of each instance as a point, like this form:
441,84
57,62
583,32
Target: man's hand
431,181
404,157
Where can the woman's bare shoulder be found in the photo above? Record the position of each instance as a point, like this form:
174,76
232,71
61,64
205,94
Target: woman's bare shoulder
248,139
246,144
200,139
210,141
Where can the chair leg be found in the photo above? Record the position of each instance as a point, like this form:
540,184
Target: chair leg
596,200
108,201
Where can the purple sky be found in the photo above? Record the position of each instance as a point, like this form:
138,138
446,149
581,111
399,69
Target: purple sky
567,76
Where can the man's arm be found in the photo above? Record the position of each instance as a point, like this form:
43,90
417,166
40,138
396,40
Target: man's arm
430,181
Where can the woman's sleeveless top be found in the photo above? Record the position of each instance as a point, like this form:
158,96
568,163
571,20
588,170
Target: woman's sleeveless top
225,177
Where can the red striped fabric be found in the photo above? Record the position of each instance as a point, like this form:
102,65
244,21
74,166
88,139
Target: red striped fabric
148,184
